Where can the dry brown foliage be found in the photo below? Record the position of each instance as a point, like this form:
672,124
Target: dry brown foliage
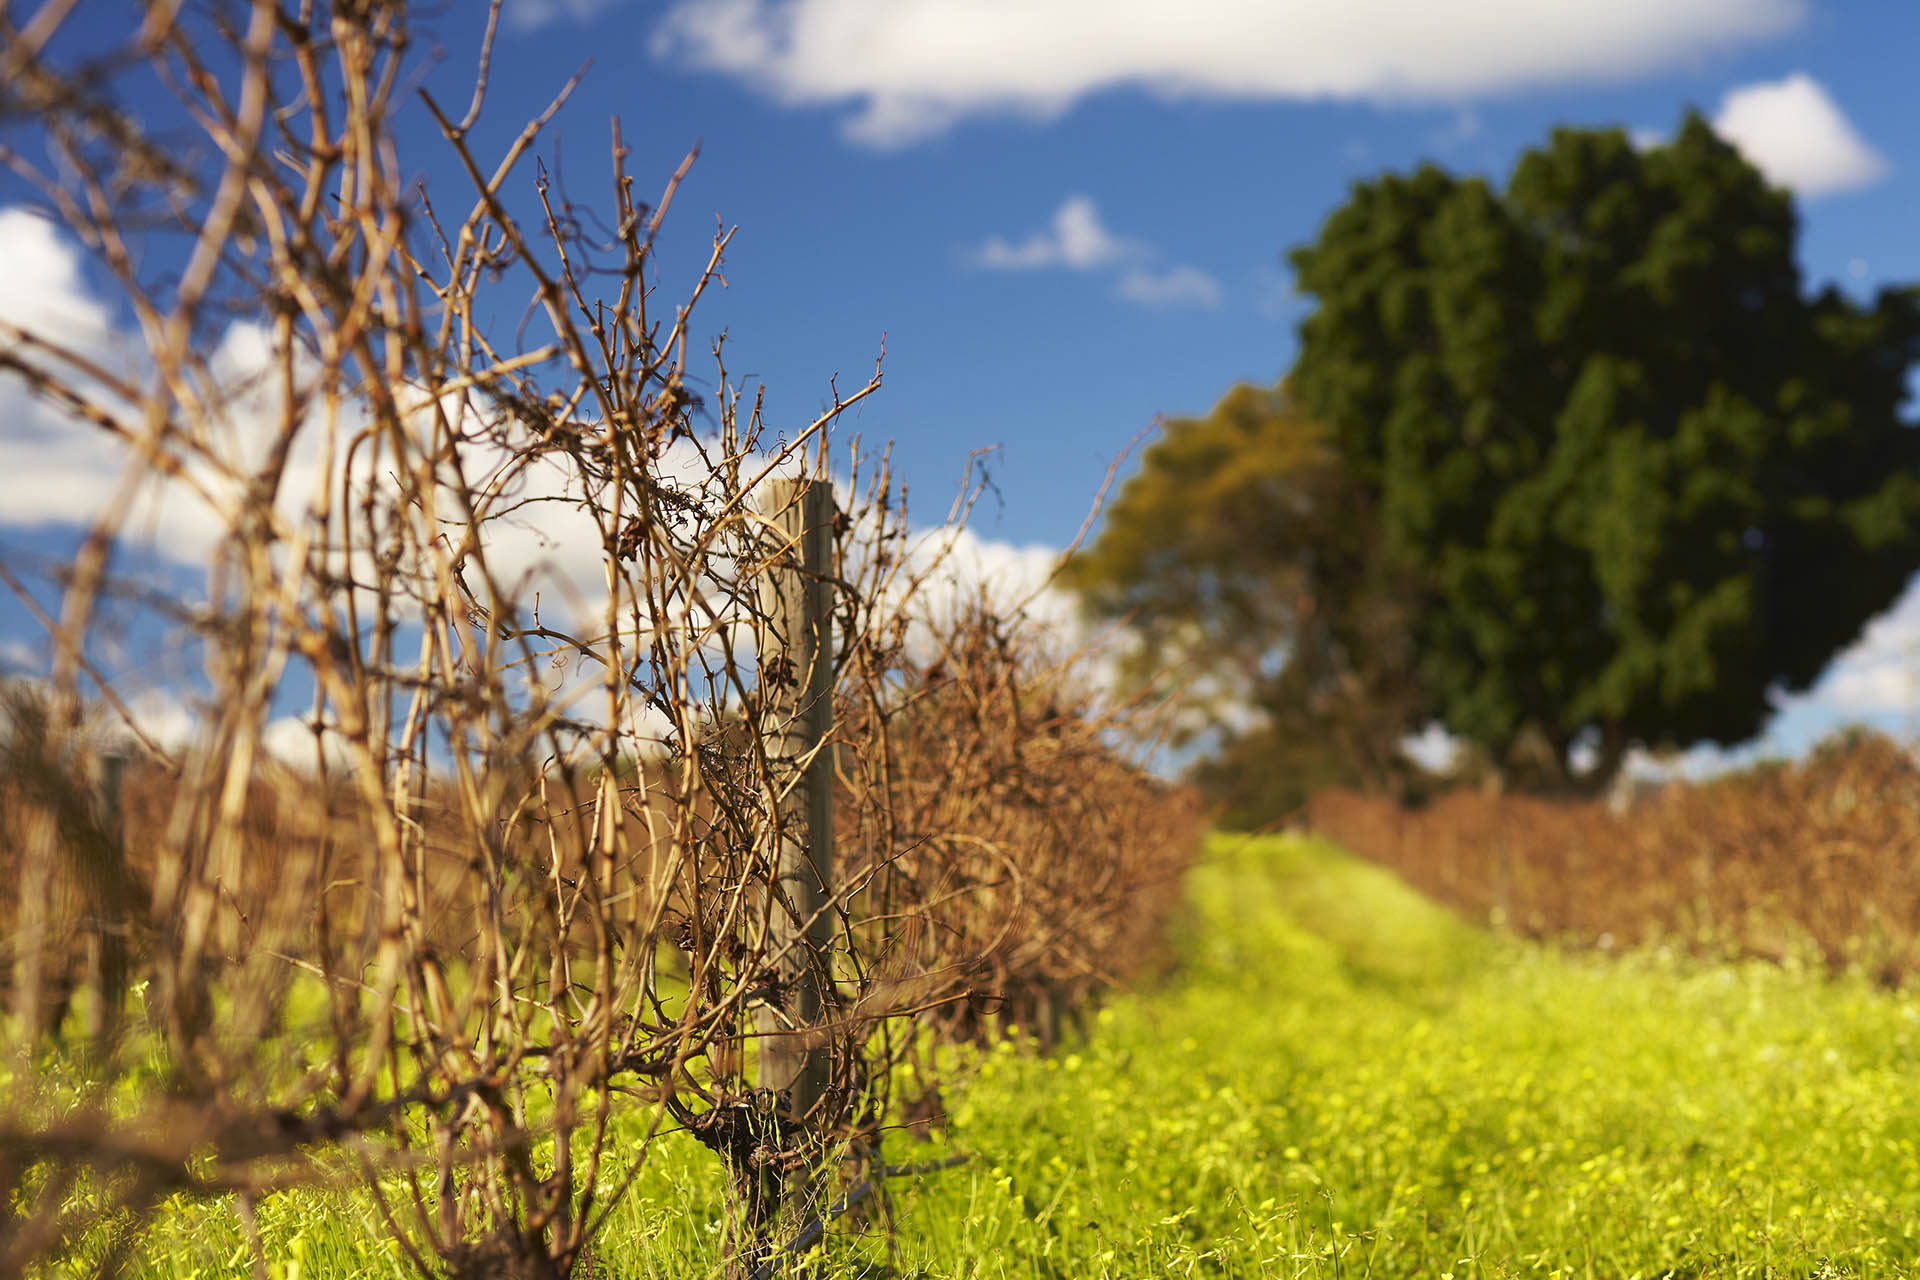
1819,856
1032,848
527,885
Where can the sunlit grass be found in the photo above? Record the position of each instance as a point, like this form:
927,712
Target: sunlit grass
1342,1080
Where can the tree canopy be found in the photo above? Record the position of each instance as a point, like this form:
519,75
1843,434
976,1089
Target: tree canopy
1628,476
1246,559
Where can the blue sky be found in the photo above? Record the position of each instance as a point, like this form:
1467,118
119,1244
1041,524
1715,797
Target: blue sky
1067,217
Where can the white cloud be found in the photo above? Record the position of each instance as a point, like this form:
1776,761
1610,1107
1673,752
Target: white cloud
1879,674
1076,239
1433,748
528,14
1874,687
960,569
64,472
290,740
1173,287
42,289
1016,583
911,68
17,657
165,718
54,471
1795,134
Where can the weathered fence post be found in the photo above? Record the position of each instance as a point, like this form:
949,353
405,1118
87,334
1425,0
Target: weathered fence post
796,673
106,936
39,853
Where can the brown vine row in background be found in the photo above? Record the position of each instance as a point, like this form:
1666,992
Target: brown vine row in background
1820,857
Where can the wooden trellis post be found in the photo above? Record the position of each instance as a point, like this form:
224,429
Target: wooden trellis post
107,932
796,675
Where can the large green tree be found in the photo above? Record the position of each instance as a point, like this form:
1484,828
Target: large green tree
1644,478
1576,461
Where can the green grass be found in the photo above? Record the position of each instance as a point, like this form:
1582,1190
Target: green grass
1346,1081
1340,1079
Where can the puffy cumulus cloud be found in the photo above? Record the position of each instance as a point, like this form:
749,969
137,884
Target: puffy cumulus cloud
960,570
43,289
1173,287
291,741
1794,133
1874,686
62,472
165,718
54,472
1076,238
911,68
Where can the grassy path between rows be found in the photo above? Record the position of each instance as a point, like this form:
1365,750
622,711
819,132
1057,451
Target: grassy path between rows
1342,1080
1346,1081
